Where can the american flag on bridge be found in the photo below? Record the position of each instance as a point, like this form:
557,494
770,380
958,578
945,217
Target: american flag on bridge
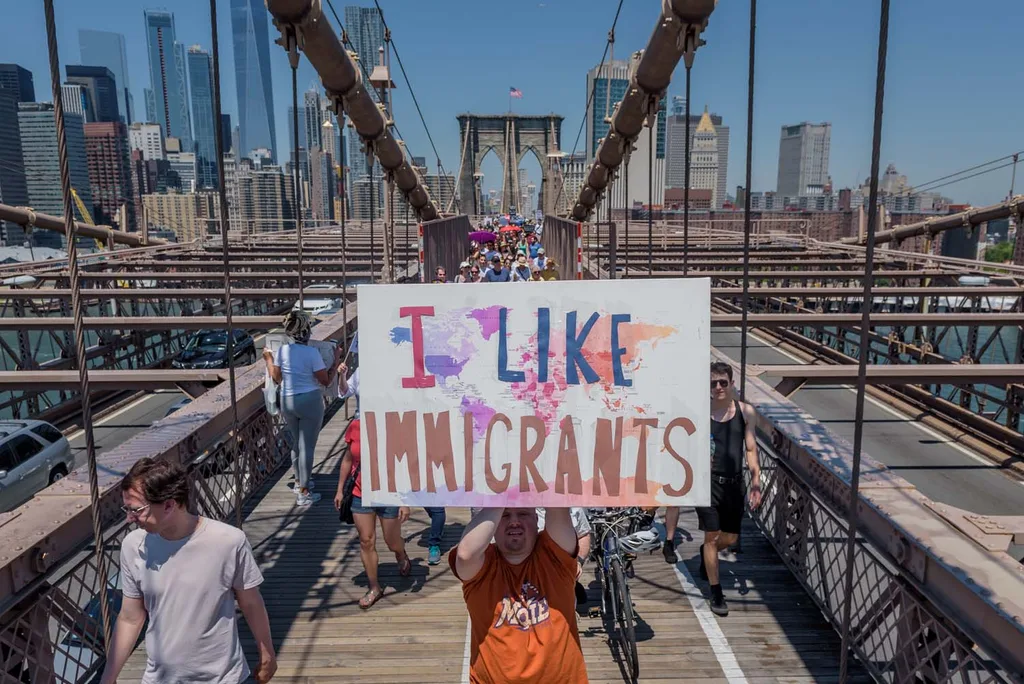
516,93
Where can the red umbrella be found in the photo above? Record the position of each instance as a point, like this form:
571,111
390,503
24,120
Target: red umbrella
510,229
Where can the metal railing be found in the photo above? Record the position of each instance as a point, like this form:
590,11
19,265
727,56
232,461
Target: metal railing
897,634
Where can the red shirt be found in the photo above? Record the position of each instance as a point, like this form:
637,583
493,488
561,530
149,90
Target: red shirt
352,439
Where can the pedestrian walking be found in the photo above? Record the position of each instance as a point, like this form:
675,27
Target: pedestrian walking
366,517
732,442
300,371
183,574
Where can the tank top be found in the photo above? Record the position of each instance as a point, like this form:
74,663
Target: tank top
728,444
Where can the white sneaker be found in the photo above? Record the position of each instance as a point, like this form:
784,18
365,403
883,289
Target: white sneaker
307,499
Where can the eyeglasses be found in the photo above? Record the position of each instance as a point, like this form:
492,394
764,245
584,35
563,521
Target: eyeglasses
719,383
128,510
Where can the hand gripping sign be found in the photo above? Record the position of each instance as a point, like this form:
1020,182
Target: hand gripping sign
591,393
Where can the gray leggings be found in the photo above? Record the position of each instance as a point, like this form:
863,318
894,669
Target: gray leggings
304,414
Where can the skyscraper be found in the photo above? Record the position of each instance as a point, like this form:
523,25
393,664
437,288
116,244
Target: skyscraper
252,77
225,132
42,170
72,95
675,155
104,48
167,100
704,159
100,91
106,151
147,138
12,171
203,121
19,79
613,76
366,31
803,159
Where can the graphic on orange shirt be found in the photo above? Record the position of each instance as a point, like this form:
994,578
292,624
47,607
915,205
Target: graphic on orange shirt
525,611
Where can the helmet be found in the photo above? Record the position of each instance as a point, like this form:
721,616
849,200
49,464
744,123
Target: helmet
644,541
298,324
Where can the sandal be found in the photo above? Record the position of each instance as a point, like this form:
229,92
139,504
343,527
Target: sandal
405,566
373,595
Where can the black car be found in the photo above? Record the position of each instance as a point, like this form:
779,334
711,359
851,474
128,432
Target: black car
208,349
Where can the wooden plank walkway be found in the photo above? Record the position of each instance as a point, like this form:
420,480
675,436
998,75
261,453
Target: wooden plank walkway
418,631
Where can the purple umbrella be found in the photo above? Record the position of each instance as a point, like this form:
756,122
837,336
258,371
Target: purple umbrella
482,236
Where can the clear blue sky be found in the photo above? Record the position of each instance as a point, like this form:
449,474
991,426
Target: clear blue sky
951,101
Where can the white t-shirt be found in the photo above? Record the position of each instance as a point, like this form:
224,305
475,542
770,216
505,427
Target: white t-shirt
188,588
578,516
298,362
353,389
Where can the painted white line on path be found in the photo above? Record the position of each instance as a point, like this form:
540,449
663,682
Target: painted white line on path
465,653
719,644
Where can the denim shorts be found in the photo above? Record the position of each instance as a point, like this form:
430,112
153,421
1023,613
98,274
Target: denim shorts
386,512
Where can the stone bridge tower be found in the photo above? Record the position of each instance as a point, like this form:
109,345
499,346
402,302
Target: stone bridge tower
510,137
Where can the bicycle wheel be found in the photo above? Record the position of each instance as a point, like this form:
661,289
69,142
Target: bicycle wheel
624,613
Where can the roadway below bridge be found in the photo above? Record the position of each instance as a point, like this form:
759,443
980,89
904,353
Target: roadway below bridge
941,469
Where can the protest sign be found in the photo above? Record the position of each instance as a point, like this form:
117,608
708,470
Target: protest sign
577,393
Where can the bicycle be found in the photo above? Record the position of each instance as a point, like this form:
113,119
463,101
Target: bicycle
619,540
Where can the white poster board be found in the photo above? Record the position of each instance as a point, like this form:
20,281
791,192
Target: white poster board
561,393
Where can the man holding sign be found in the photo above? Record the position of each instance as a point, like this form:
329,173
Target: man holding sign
508,399
520,595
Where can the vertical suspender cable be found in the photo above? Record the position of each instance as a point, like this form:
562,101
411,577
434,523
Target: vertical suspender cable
406,249
344,245
629,208
373,210
235,457
611,245
293,58
650,196
391,231
76,306
865,339
746,205
686,181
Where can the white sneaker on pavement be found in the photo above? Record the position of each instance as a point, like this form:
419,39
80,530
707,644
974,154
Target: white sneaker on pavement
306,499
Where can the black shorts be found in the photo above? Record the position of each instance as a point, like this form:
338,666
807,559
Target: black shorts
726,510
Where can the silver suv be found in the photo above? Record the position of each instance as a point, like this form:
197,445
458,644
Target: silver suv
33,455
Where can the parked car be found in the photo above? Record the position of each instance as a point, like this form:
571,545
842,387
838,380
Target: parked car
33,455
316,303
208,349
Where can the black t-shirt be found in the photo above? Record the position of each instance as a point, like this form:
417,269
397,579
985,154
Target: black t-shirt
728,444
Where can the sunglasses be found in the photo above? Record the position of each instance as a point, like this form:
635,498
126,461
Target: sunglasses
128,510
719,383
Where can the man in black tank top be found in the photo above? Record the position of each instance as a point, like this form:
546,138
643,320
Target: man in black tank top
732,441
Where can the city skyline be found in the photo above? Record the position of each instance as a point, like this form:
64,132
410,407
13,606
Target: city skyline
837,90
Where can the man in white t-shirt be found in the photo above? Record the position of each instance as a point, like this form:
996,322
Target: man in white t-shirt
581,524
184,573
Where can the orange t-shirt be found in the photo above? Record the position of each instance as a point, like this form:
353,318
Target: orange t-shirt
524,618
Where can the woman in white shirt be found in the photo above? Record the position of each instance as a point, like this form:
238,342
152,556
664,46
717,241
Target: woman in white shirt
300,371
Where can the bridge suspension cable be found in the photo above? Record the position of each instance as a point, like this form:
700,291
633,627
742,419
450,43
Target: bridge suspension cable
590,99
865,339
348,91
677,34
412,93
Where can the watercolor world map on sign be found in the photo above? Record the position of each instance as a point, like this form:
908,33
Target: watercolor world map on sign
450,344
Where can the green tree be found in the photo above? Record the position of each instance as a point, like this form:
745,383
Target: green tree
997,254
